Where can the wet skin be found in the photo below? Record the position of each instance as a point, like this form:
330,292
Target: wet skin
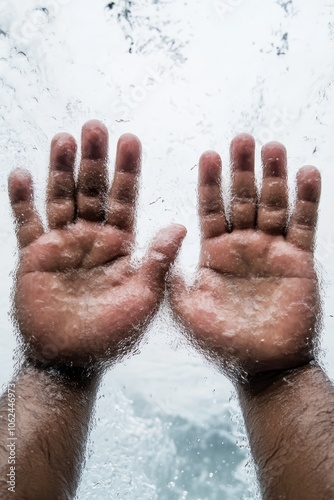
78,297
80,304
254,305
253,308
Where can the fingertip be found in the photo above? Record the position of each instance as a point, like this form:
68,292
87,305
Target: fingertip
62,139
129,138
272,146
179,227
309,184
210,165
274,159
243,140
20,174
20,186
210,156
179,232
167,243
161,255
169,238
63,152
242,152
95,125
129,152
95,137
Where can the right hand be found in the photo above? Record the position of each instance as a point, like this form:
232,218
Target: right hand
78,299
254,305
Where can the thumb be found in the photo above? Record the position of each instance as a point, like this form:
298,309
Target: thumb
161,254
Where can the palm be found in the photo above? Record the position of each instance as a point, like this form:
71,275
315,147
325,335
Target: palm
254,304
87,293
78,297
246,296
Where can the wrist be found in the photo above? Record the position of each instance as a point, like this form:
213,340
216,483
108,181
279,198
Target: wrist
271,381
72,377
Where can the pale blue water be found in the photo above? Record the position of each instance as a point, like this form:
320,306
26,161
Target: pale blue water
185,77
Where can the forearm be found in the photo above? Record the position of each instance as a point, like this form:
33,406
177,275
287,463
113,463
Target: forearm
44,422
291,430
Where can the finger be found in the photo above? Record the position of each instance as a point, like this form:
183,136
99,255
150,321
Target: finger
211,206
301,230
273,208
161,254
93,173
244,196
21,194
123,193
61,186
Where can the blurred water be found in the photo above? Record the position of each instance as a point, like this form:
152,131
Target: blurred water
184,77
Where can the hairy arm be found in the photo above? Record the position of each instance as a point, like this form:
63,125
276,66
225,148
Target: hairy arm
290,422
45,417
254,310
79,304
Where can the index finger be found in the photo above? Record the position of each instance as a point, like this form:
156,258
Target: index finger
211,206
124,189
301,230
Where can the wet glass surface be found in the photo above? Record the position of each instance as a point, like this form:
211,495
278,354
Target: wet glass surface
185,77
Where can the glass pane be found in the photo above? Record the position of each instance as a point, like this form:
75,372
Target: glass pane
185,77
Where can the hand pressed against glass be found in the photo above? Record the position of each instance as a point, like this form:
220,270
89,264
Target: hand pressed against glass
78,298
254,305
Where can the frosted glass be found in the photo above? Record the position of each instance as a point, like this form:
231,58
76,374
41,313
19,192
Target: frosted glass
185,77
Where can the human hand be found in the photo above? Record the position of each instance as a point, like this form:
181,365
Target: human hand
254,305
78,298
